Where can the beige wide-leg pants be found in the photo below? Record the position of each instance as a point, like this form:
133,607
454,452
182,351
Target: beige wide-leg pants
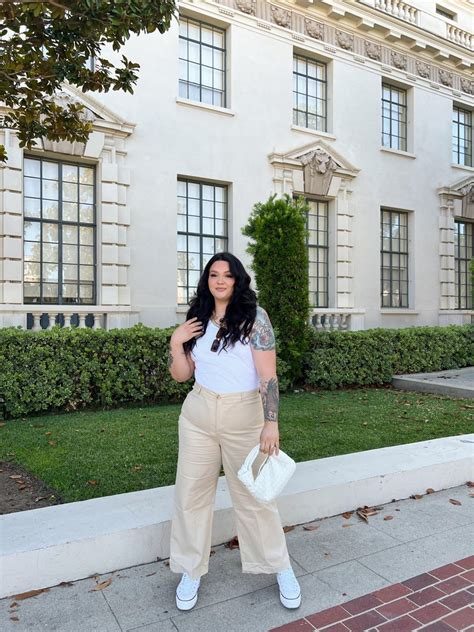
213,429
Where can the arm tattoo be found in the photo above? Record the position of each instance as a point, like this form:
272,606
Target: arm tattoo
170,358
262,337
270,398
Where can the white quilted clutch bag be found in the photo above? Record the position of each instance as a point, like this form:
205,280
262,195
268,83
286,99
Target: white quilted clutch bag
272,476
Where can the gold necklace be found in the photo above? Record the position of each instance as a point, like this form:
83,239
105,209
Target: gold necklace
217,321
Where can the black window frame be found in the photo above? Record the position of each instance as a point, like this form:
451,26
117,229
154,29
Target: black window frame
60,222
401,143
403,302
319,82
456,138
318,248
462,261
186,83
201,235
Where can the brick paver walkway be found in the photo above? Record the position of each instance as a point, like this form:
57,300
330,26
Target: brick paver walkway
439,601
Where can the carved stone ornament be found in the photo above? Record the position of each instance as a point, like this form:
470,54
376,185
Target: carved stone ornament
318,168
467,86
399,60
63,100
374,51
246,6
468,201
281,16
422,69
314,29
344,40
445,77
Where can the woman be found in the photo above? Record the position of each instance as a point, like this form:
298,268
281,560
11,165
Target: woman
227,342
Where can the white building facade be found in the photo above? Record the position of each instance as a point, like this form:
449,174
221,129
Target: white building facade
364,107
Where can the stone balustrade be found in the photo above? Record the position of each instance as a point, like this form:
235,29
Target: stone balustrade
459,36
398,9
37,317
332,319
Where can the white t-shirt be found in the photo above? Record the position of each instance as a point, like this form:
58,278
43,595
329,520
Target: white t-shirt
230,370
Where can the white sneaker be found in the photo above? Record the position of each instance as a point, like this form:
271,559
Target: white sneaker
187,592
290,592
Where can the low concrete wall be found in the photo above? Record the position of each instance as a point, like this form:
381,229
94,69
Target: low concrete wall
44,547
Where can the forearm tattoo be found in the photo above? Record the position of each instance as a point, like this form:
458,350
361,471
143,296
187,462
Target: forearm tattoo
262,337
270,398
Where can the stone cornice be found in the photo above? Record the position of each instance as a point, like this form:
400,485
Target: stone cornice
340,30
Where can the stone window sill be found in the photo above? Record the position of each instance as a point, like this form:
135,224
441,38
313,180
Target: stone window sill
205,106
398,152
314,132
463,167
398,310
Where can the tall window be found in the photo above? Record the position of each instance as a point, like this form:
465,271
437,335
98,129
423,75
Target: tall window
394,258
317,225
201,62
59,232
394,117
202,231
462,137
463,254
309,93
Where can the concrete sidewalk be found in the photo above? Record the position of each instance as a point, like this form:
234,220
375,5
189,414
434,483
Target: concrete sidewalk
343,558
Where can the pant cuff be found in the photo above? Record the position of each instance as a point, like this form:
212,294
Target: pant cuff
258,568
193,574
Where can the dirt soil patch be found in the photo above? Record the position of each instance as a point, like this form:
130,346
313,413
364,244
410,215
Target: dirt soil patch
20,490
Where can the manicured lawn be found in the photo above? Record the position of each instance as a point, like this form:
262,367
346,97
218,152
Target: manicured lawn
89,454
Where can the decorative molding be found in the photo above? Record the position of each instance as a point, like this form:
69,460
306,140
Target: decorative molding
445,77
280,16
246,6
373,51
398,60
467,86
314,29
423,69
345,40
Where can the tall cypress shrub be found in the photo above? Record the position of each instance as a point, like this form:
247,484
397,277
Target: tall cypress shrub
277,229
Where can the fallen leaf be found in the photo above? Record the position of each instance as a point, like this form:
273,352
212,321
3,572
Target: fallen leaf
388,518
416,496
53,443
14,604
364,512
137,468
233,544
167,563
48,433
16,476
288,528
430,490
347,514
65,584
212,552
347,525
30,593
2,423
40,498
102,585
311,527
470,483
453,501
92,482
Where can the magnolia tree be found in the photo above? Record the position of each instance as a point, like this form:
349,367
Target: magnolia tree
44,44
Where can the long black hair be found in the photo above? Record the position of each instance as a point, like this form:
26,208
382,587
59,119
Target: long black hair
240,312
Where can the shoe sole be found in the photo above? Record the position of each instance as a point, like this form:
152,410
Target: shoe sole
291,603
186,604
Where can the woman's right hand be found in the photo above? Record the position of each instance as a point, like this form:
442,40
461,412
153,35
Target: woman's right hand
192,328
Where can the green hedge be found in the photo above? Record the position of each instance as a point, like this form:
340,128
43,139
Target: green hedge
68,369
373,356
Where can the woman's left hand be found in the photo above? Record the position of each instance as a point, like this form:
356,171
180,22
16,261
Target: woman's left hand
270,438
